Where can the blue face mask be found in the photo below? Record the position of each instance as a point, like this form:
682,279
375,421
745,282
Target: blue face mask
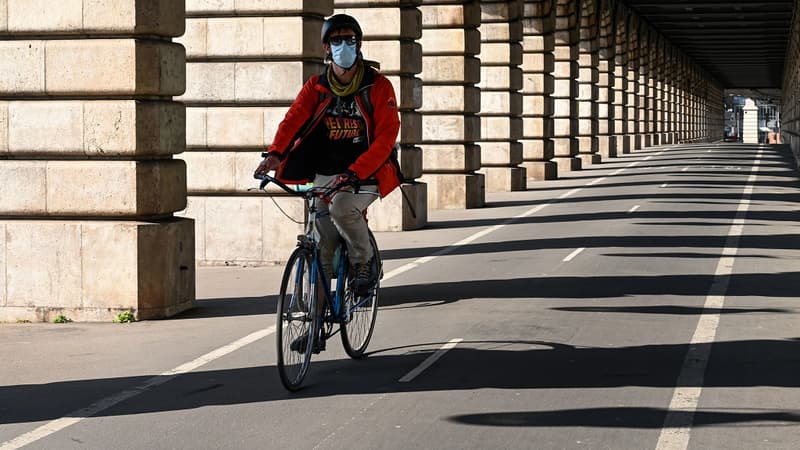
344,55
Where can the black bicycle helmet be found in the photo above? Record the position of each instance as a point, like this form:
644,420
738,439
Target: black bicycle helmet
340,21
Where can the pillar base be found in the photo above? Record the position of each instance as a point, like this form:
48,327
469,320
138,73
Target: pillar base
647,140
636,142
589,159
505,179
92,270
393,212
455,191
540,170
245,230
607,146
567,163
624,144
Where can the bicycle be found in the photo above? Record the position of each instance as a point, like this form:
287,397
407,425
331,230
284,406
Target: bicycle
303,324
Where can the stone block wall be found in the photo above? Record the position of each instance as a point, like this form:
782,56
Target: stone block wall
790,110
391,33
565,92
88,183
538,63
606,140
588,83
246,62
501,101
451,100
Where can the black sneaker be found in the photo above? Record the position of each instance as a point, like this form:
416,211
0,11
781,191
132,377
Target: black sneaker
363,278
299,344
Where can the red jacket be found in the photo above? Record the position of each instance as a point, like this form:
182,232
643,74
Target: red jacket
309,107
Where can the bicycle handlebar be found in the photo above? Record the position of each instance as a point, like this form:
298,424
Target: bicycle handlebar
327,192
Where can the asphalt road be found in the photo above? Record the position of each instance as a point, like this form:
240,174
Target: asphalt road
647,302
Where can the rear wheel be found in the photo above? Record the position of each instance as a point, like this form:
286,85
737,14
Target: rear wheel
296,328
360,313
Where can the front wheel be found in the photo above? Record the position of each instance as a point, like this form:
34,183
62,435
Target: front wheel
296,328
360,313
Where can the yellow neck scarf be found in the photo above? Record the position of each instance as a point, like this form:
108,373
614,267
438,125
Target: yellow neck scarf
343,90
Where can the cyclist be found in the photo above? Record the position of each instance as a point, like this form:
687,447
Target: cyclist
341,127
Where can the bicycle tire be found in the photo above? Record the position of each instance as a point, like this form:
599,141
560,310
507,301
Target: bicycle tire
296,303
359,314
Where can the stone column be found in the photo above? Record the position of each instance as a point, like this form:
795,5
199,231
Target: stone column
88,183
680,100
673,77
661,93
588,77
621,80
451,101
643,108
652,111
240,83
790,109
632,74
565,93
390,33
501,101
606,139
750,123
538,63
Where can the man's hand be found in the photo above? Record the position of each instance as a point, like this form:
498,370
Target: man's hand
347,177
270,162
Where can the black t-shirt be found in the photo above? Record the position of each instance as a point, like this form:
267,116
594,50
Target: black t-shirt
340,137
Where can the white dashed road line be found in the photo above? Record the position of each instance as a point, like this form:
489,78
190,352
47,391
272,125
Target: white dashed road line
572,255
634,208
430,360
677,426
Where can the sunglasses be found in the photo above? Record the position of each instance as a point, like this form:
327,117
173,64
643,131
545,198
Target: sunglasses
349,40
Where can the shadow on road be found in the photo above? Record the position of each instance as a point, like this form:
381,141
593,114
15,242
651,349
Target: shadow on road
472,365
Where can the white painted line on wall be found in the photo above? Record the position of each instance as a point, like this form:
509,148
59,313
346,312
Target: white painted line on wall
103,404
430,360
676,431
634,208
573,254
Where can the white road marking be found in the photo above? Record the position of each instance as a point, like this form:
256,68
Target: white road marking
567,194
664,185
595,181
685,169
634,208
430,360
676,430
106,403
573,254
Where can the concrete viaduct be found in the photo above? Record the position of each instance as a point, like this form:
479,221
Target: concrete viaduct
129,129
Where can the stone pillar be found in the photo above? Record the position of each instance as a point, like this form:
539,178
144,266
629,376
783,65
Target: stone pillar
88,183
390,33
662,104
565,93
501,100
790,109
538,63
750,123
643,107
652,89
588,77
673,77
680,100
606,140
240,84
621,80
450,125
632,75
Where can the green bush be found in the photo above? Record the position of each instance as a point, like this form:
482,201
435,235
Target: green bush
125,317
61,319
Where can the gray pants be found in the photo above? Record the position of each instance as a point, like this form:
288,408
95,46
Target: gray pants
344,217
